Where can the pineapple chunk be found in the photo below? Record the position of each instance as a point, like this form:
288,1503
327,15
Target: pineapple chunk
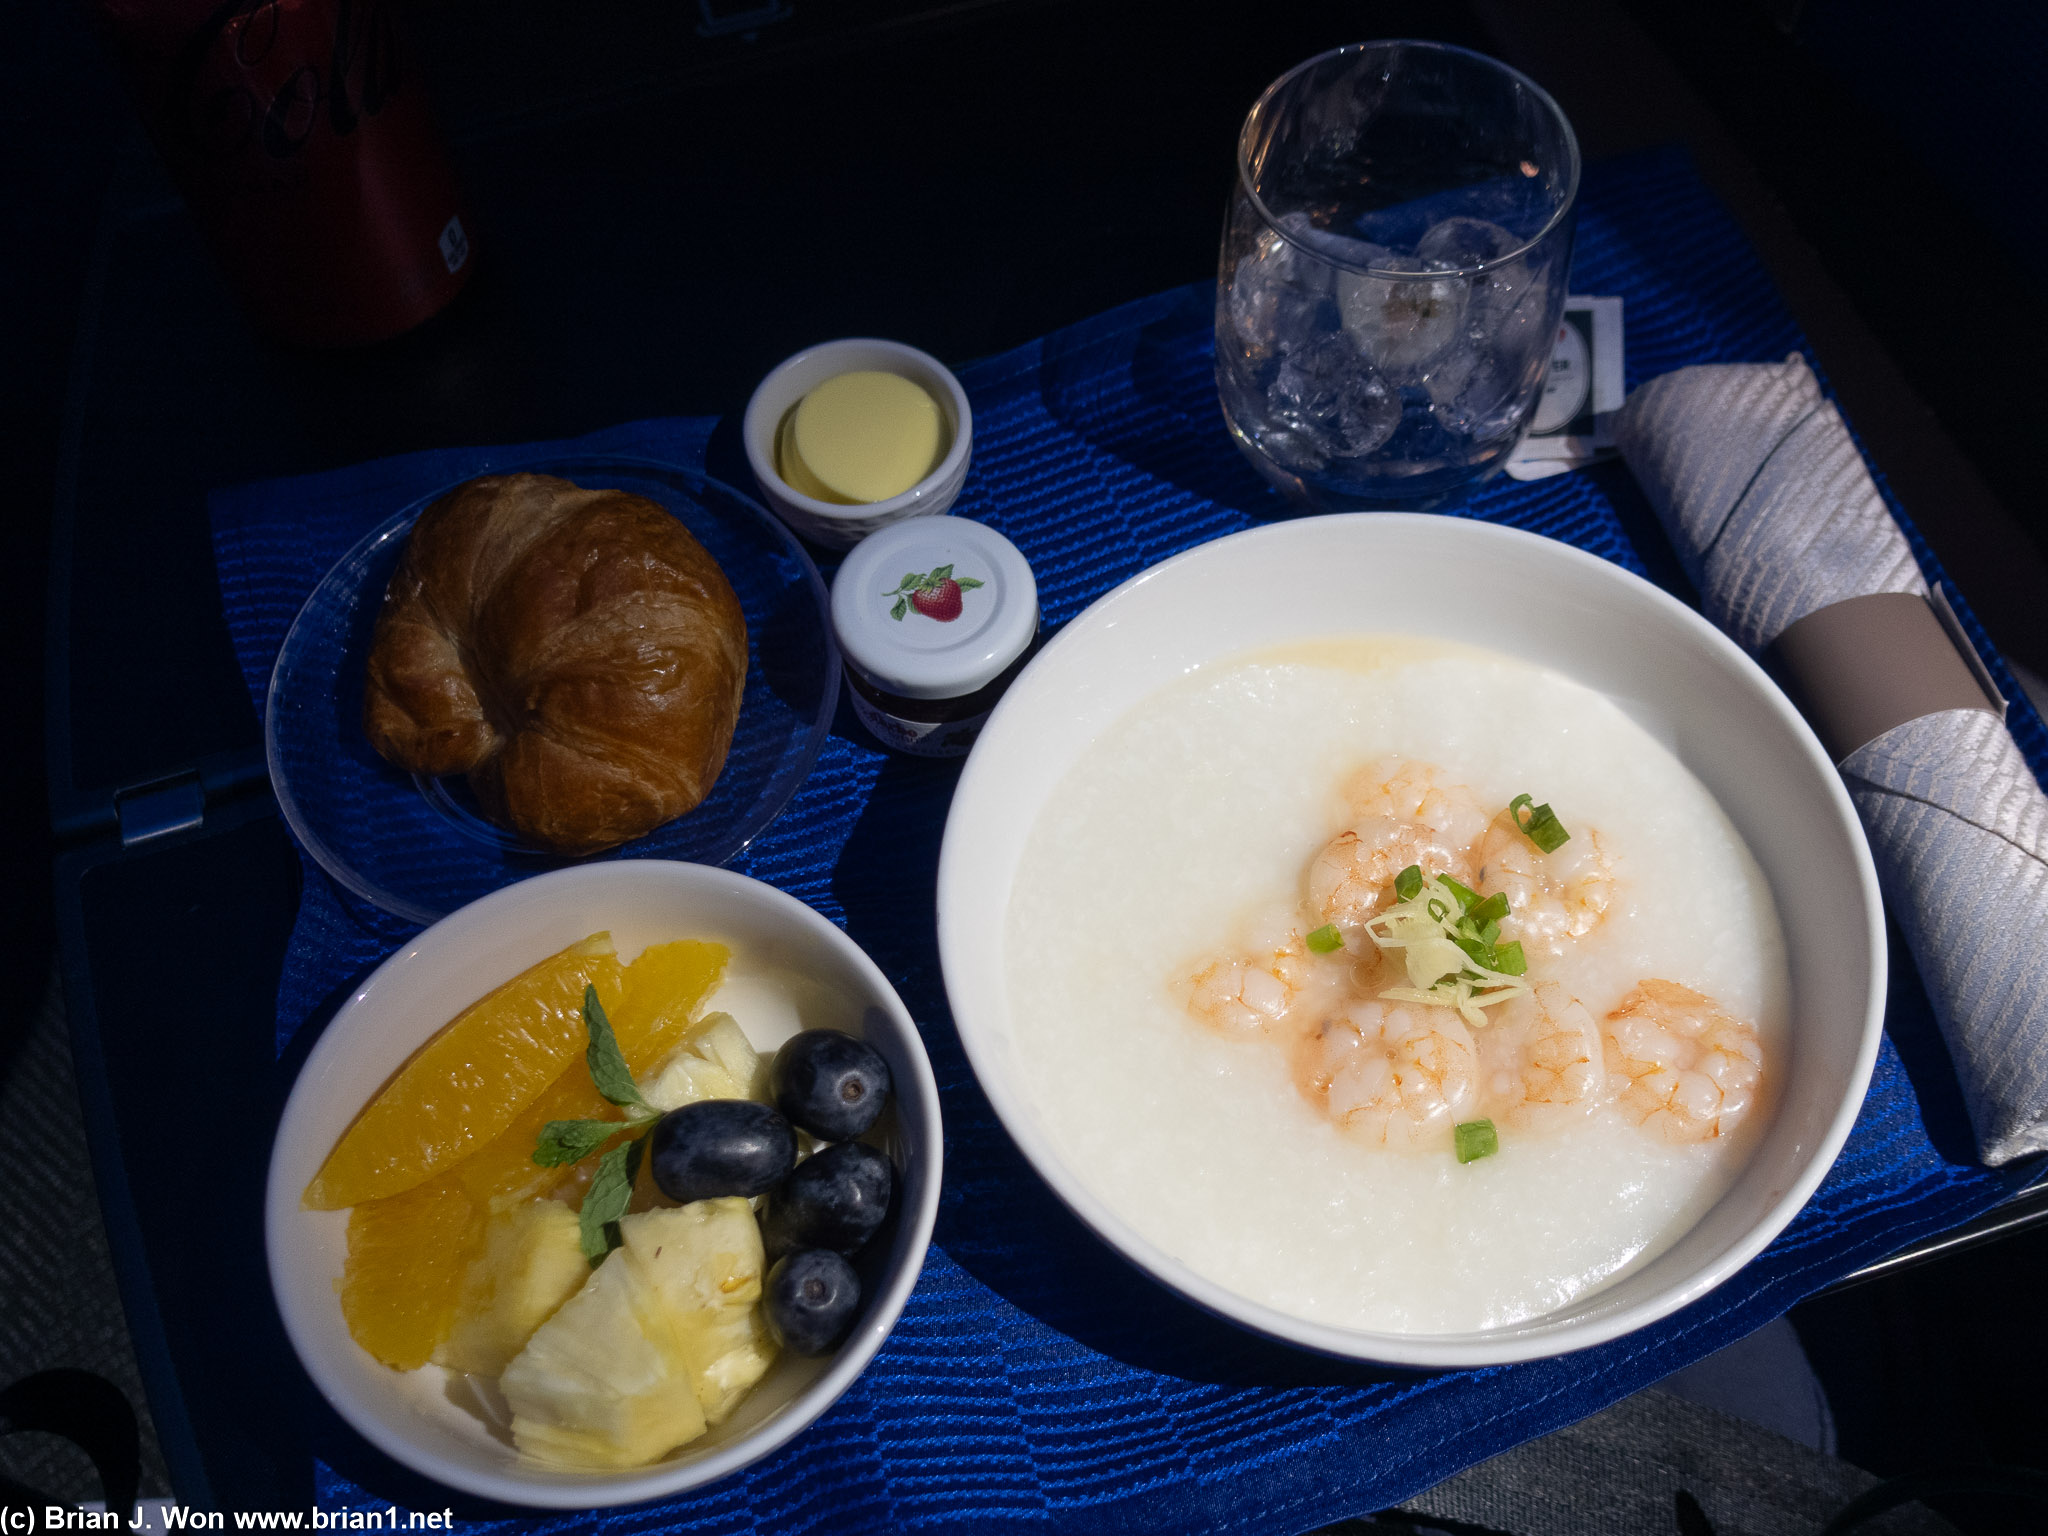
662,1342
716,1062
706,1264
531,1263
605,1381
721,1038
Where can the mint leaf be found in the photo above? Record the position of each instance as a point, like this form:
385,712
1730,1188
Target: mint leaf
597,1226
563,1142
608,1067
966,583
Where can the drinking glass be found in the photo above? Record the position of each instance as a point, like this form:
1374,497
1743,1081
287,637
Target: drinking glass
1393,272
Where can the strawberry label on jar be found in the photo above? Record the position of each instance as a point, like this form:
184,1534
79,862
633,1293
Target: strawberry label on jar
928,655
935,593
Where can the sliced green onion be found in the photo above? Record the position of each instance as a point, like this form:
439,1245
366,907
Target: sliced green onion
1465,894
1478,950
1452,960
1501,959
1475,1139
1538,823
1325,939
1491,910
1478,932
1408,883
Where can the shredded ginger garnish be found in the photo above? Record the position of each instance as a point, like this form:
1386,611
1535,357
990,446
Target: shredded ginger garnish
1440,971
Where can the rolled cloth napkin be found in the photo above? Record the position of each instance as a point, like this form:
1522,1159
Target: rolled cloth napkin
1777,520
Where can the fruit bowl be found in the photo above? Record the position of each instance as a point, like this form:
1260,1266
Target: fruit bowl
790,969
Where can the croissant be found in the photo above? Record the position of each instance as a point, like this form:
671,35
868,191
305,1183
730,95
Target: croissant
577,653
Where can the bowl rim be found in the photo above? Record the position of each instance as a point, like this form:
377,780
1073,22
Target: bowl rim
281,1202
951,465
399,525
1525,1341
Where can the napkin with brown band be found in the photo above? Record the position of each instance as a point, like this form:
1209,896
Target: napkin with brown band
1777,520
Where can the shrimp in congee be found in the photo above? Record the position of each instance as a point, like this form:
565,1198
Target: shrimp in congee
1553,898
1391,1074
1397,1070
1250,989
1401,815
1682,1068
1305,1153
1542,1059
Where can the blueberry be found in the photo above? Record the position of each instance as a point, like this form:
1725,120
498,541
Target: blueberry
720,1147
810,1298
830,1084
834,1199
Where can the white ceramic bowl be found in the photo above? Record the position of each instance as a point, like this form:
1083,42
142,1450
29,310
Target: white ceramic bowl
1551,605
831,523
788,963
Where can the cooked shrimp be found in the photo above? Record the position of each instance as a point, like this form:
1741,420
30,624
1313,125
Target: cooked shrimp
1553,898
1404,787
1389,1074
1401,816
1543,1058
1249,990
1682,1068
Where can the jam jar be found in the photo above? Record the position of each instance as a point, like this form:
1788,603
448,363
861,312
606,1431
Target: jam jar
934,616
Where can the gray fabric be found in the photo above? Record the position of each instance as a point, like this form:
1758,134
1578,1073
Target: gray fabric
1774,514
1964,832
61,1308
1618,1473
1763,493
1764,1379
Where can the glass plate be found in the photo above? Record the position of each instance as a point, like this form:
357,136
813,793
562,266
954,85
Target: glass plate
418,847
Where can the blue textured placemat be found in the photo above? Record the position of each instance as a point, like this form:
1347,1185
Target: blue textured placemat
1035,1380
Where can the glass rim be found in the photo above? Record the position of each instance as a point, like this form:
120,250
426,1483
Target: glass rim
1411,274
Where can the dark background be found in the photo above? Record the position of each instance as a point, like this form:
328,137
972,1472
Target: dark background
667,204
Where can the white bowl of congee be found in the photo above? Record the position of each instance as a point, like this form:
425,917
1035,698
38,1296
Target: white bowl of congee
1417,940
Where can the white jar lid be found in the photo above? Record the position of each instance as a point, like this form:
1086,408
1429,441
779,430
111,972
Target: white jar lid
934,607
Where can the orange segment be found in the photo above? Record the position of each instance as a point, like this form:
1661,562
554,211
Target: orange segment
663,990
464,1086
502,1171
407,1256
